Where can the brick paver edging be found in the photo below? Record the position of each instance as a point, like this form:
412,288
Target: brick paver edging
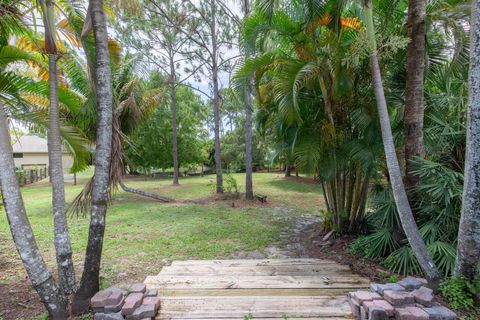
135,303
408,299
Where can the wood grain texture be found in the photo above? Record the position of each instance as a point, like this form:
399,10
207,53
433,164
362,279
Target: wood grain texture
261,288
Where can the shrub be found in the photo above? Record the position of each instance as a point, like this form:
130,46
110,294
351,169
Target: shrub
230,183
459,292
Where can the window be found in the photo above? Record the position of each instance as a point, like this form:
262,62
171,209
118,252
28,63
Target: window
18,155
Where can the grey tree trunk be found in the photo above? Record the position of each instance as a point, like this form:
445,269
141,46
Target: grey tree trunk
414,91
66,271
216,106
89,284
173,107
37,270
248,127
468,249
248,144
404,211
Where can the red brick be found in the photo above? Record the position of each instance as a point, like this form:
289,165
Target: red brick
99,299
411,313
137,287
423,296
380,304
132,301
152,300
418,313
355,307
361,296
398,298
114,298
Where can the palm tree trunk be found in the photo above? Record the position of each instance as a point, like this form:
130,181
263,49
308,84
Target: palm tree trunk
66,271
37,270
216,104
413,117
89,284
248,143
404,211
468,249
248,125
173,107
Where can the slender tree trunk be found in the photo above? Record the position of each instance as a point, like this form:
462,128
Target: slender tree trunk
248,144
288,170
405,213
89,284
37,270
468,249
413,117
216,106
63,247
145,193
173,107
66,271
248,126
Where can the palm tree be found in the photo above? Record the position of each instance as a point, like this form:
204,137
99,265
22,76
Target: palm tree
405,212
90,281
414,88
10,88
248,125
468,249
62,240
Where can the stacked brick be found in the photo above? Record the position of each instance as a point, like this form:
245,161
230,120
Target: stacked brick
408,299
136,303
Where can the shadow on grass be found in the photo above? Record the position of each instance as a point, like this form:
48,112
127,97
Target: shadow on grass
289,185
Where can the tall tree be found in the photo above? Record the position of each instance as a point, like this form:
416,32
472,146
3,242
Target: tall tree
248,125
414,89
163,47
37,270
89,284
404,211
63,247
468,249
209,31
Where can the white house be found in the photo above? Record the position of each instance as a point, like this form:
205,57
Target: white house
32,152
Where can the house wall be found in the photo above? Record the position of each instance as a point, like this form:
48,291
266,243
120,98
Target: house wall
41,159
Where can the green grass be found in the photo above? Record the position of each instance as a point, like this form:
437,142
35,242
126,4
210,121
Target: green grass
141,233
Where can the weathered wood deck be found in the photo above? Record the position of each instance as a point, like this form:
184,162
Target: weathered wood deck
244,289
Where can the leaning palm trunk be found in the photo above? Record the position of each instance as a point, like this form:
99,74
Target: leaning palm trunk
37,270
81,203
404,211
66,272
468,249
413,117
89,284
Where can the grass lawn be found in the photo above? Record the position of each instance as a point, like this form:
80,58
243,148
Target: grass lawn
142,233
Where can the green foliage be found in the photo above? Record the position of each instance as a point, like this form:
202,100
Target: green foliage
459,292
230,183
150,145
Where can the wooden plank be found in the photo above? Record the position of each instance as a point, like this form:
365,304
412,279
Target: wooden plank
267,307
160,317
253,282
252,292
308,269
252,262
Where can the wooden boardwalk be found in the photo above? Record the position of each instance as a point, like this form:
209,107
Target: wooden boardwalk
259,289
